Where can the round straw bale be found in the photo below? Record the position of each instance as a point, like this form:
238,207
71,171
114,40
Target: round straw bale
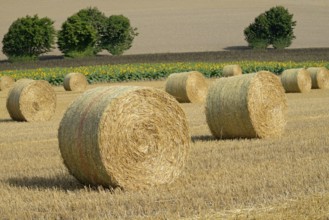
187,86
75,82
6,82
296,80
31,100
122,136
320,77
246,106
232,70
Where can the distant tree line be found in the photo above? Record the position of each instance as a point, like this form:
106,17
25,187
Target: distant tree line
89,31
85,33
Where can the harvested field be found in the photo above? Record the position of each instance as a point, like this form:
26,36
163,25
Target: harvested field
272,178
275,178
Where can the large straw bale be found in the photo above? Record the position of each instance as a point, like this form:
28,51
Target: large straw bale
75,82
187,86
121,136
232,70
31,100
296,80
6,82
320,77
246,106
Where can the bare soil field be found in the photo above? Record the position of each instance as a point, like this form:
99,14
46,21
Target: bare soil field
183,26
279,178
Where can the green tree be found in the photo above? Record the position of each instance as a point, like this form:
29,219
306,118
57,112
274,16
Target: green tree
77,38
281,27
81,33
98,20
274,27
118,35
29,37
256,34
89,31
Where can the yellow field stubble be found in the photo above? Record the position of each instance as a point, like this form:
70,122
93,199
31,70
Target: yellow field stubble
261,178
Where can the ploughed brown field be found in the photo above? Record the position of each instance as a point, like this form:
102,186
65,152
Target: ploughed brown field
279,178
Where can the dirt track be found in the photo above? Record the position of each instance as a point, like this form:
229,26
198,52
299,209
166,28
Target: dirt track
186,25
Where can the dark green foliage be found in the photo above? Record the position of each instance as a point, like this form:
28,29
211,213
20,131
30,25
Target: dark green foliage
282,42
98,20
118,35
274,27
257,33
77,37
28,37
89,31
281,27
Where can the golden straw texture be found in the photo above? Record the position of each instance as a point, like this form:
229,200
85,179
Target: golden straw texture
231,70
187,86
75,82
6,82
320,77
246,106
31,100
121,136
296,80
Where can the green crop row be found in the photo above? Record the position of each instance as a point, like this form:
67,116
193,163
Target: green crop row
152,71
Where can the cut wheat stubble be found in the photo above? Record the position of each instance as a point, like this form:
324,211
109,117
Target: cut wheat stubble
128,137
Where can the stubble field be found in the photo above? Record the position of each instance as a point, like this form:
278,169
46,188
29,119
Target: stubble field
281,178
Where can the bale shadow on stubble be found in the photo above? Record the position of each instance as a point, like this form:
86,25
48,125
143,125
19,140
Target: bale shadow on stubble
61,182
213,138
196,138
7,120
